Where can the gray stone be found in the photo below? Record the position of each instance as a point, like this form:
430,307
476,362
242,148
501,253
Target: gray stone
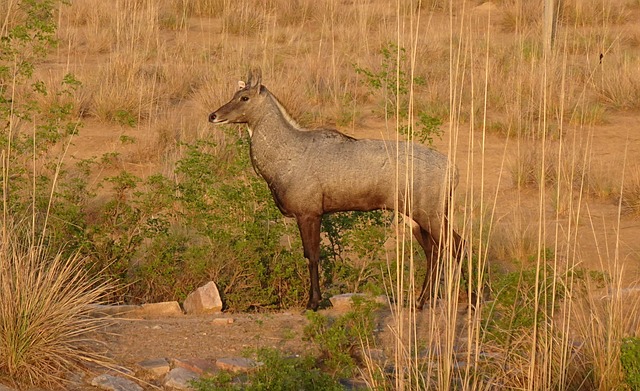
237,364
354,384
157,366
204,300
624,293
179,378
376,354
114,383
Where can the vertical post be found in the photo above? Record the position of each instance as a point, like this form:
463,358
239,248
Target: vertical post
549,26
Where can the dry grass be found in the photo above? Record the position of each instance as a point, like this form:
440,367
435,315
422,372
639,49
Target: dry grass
631,194
45,322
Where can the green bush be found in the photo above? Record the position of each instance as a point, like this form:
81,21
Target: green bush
392,80
216,221
520,300
353,254
630,361
277,373
339,339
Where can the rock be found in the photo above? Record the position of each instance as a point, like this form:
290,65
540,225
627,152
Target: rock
197,365
100,310
285,242
222,321
74,378
354,384
167,308
114,383
344,301
623,293
376,354
179,378
204,300
237,364
120,370
486,7
157,366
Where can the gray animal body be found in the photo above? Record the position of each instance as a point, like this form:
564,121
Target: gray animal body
314,172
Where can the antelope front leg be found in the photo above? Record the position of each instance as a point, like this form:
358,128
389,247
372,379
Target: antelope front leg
309,227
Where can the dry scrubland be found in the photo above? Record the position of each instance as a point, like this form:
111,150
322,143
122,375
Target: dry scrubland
514,121
548,146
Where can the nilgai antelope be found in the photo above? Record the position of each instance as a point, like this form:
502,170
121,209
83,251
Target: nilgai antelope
314,172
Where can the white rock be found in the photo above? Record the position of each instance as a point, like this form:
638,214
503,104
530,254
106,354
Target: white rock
180,378
204,300
114,383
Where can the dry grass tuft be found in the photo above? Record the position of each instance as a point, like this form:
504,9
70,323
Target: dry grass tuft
45,322
619,83
631,194
602,320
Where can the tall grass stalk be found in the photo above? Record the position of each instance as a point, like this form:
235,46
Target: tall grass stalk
575,339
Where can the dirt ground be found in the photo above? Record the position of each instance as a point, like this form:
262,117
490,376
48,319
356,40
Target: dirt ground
131,340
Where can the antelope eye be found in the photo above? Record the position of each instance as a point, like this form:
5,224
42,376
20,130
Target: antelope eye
244,98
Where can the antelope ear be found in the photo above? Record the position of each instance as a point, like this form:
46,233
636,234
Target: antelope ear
241,85
255,78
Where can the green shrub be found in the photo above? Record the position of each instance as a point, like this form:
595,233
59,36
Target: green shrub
630,361
520,300
277,373
353,254
392,81
339,339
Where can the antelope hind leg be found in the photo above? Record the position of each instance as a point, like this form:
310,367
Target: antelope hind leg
429,245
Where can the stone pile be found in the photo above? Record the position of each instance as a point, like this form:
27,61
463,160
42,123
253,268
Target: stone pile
169,374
